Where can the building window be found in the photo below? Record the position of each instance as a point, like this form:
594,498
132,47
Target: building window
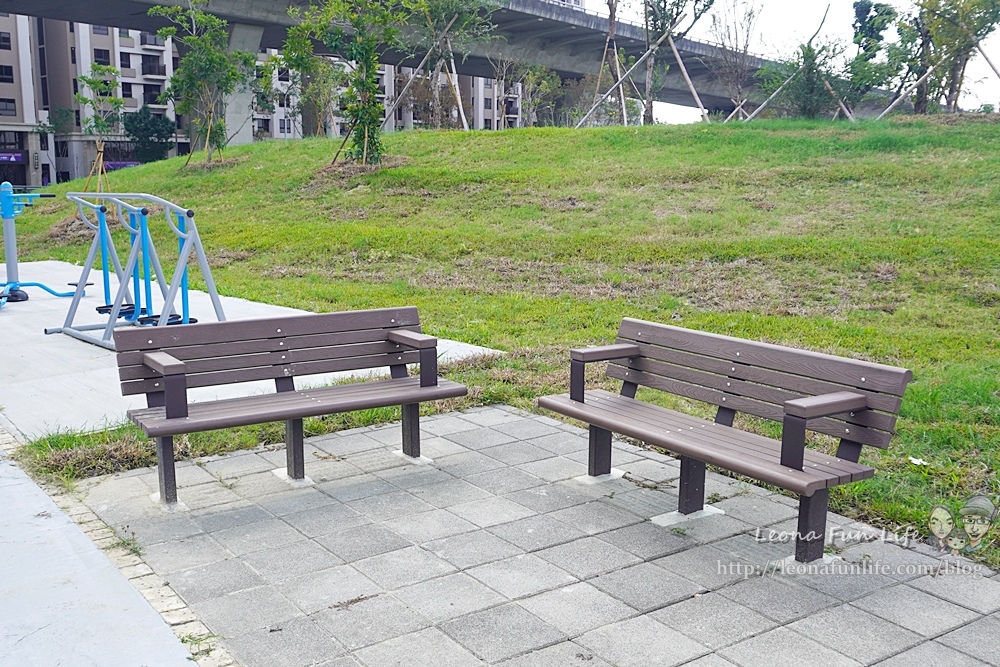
283,74
43,142
11,141
123,32
72,27
41,30
8,107
72,54
125,60
62,149
6,74
101,30
44,84
487,102
487,83
5,41
76,87
62,176
126,90
76,117
264,125
102,57
283,126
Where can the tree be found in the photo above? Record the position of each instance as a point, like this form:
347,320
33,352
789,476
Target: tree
208,73
659,17
151,133
541,88
734,27
876,64
102,113
360,31
805,94
955,27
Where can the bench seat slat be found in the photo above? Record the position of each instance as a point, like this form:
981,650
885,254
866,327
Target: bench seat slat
858,374
131,387
826,426
149,338
772,395
258,409
763,376
606,413
710,435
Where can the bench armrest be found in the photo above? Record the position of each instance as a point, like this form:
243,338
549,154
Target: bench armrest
604,352
580,357
174,382
427,346
825,405
797,411
412,339
163,363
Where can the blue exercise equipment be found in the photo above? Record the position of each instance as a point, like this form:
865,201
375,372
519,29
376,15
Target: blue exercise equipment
131,303
12,205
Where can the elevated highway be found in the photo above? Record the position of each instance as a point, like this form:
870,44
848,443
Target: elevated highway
563,38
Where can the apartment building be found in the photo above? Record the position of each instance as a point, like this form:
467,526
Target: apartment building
20,145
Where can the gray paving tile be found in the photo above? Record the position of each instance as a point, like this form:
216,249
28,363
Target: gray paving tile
425,647
577,608
619,458
191,474
467,463
710,660
562,443
404,567
526,429
856,633
412,477
504,480
549,497
502,632
183,554
260,484
343,443
561,655
847,586
389,505
250,537
555,468
363,542
783,648
214,580
778,599
915,610
236,465
516,453
537,532
449,491
377,460
900,564
706,566
480,438
713,620
653,471
645,503
751,548
646,540
338,585
290,644
158,528
387,434
713,528
446,425
588,557
646,587
470,549
491,511
438,448
328,467
491,416
245,611
976,593
355,488
931,653
325,519
428,526
210,495
595,517
369,621
641,642
756,510
449,596
291,561
980,639
296,500
521,576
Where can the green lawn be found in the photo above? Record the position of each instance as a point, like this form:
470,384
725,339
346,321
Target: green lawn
877,241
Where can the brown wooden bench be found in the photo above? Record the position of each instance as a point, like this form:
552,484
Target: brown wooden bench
164,362
853,401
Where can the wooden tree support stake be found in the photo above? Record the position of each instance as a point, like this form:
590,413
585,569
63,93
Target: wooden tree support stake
906,93
843,107
413,75
694,93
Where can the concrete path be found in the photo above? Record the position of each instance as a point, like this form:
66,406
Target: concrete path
58,383
498,553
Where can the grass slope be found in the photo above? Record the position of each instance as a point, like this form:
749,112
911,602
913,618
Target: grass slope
876,241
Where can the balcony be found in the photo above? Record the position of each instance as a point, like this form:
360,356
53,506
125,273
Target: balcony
127,72
149,39
152,99
127,42
131,103
154,69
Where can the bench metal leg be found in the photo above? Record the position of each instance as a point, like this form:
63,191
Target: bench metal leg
295,461
165,469
411,430
692,486
599,461
811,536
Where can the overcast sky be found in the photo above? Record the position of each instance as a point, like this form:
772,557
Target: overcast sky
784,24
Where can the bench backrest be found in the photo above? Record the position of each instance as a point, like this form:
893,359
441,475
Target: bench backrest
757,378
217,353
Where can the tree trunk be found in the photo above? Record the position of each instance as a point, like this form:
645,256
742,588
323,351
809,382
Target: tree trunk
921,104
647,112
436,95
613,52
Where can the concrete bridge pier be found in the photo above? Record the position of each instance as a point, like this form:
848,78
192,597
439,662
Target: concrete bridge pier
239,110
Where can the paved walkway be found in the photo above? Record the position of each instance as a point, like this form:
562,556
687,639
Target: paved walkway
498,553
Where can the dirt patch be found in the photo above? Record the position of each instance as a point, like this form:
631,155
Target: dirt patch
222,258
949,119
221,163
70,230
341,174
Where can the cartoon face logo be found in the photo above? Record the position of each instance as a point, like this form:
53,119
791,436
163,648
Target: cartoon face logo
977,519
941,524
956,541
